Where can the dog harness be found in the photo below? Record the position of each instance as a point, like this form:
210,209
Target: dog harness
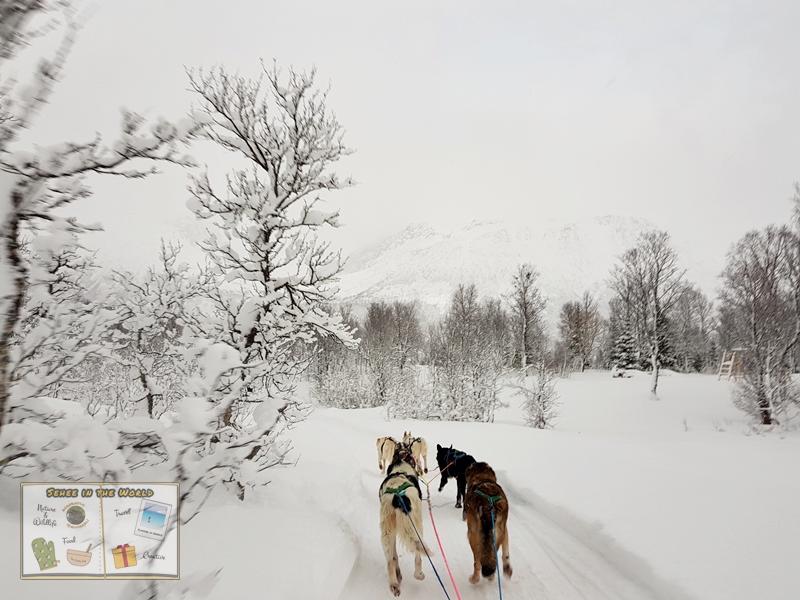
452,456
386,439
491,499
398,490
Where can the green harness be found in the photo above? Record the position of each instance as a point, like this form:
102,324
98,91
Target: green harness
399,490
491,499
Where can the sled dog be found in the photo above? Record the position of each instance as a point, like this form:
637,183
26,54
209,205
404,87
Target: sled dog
386,446
419,448
483,494
401,513
453,463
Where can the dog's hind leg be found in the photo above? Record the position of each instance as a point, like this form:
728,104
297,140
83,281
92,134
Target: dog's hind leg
420,548
503,543
389,543
461,485
418,574
475,543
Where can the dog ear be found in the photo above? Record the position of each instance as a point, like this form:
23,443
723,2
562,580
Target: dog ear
438,447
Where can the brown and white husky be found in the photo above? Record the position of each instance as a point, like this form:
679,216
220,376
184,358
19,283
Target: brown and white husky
401,513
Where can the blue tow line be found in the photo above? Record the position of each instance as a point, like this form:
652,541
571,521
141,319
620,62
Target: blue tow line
491,500
405,510
496,562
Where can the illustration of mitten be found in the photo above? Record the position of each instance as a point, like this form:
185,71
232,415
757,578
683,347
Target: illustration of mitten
45,553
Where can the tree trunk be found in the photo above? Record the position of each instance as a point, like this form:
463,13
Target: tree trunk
149,395
654,378
764,408
14,297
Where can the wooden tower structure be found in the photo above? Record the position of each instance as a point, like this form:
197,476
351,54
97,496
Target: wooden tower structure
731,365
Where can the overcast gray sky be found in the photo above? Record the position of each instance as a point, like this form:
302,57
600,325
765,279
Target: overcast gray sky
681,112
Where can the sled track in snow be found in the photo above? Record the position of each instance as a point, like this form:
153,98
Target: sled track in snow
554,555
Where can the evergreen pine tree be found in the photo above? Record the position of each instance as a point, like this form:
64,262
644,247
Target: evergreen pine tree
623,354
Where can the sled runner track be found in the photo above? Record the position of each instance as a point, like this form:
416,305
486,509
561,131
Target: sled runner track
573,567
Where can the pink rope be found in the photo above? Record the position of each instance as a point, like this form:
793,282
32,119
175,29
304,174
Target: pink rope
439,541
428,483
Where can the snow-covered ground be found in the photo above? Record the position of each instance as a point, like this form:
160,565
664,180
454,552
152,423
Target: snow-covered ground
627,498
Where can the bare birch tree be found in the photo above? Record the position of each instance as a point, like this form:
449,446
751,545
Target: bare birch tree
761,304
649,280
468,352
527,306
580,327
691,328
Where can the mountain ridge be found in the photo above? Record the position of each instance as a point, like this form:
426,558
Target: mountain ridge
426,264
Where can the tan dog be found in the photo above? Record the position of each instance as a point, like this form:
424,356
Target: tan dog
401,512
386,447
419,448
483,494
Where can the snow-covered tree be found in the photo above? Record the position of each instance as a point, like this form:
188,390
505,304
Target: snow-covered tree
527,306
467,358
53,320
540,400
43,179
273,275
649,281
391,342
64,319
760,307
154,314
340,375
623,354
691,328
580,327
15,16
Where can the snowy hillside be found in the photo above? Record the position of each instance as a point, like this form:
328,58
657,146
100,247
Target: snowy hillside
626,499
421,263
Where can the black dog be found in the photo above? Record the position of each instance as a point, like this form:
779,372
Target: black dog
453,463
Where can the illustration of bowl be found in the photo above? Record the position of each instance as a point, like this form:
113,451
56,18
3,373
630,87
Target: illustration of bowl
78,558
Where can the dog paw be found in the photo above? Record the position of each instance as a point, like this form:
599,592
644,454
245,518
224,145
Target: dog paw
419,575
507,570
458,504
490,577
426,469
473,579
395,588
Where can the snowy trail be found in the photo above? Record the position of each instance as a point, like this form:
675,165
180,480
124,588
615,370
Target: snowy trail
549,561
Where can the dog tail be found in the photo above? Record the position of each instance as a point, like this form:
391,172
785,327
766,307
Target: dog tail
488,557
402,503
410,524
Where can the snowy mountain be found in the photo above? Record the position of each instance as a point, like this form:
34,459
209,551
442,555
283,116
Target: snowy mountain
424,264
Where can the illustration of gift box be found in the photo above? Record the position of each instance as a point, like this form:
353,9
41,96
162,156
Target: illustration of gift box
124,556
